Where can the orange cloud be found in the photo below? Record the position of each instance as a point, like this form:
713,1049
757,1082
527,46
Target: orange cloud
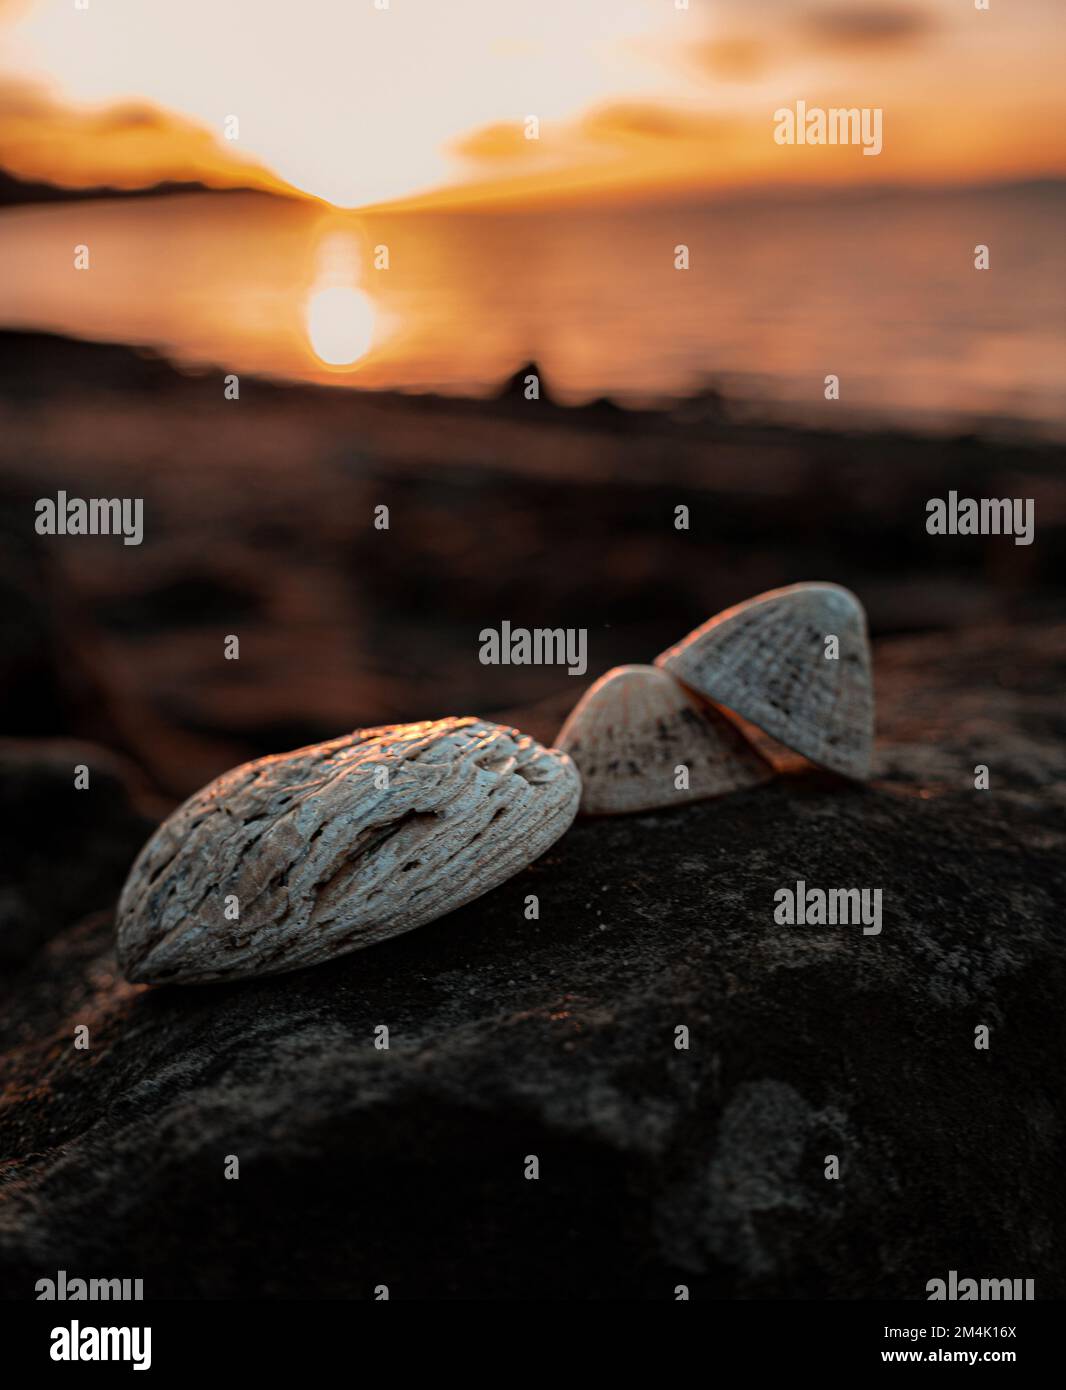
739,58
700,116
866,26
127,146
768,41
503,141
626,122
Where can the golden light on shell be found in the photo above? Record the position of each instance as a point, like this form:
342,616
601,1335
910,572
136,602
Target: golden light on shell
340,324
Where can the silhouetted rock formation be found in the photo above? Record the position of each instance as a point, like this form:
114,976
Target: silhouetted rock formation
516,385
15,192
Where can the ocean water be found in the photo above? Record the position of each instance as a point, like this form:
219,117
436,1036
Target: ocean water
876,288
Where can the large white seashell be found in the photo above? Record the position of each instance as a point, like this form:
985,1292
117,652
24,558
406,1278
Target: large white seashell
766,660
631,729
320,860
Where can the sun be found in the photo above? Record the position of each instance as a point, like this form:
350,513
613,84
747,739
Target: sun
340,324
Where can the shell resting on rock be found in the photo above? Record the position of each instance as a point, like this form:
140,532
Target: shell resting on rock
632,729
320,857
767,660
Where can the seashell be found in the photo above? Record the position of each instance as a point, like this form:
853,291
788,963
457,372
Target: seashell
766,661
630,730
321,860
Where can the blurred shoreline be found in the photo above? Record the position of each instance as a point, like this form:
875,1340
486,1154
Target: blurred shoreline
876,286
259,521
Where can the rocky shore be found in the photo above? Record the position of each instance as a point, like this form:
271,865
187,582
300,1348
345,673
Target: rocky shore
658,1165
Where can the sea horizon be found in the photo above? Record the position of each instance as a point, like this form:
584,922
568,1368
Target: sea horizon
876,286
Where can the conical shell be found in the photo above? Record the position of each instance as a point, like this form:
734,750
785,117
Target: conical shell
631,730
320,857
767,660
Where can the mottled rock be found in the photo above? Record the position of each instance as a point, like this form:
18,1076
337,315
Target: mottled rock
633,730
294,859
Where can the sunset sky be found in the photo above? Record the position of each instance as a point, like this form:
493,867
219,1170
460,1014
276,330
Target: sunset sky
360,106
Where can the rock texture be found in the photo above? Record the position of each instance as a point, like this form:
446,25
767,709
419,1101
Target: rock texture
635,726
765,659
294,859
510,1037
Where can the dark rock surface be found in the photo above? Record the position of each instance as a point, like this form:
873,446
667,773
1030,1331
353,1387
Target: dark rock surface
556,1038
66,850
45,683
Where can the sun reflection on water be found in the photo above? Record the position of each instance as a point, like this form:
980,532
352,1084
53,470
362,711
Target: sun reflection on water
340,324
